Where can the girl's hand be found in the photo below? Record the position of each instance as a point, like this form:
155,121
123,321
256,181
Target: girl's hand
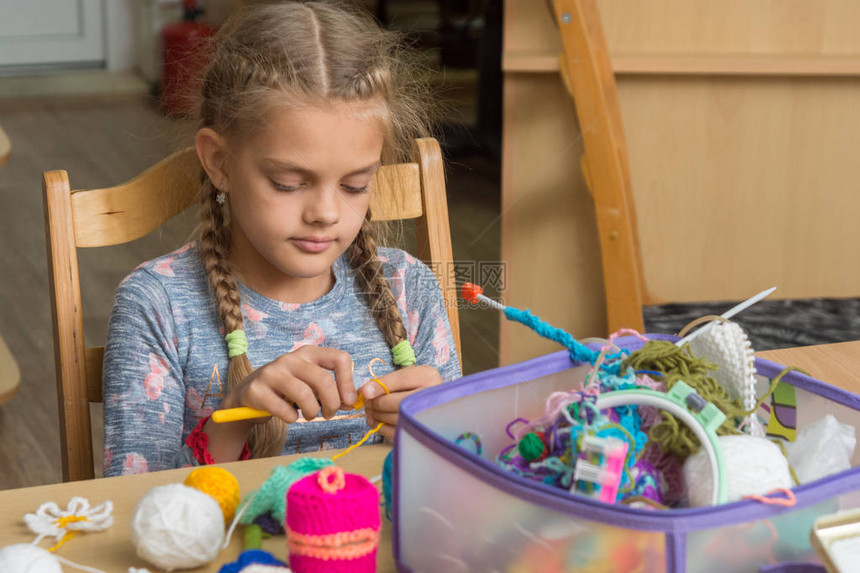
382,407
301,380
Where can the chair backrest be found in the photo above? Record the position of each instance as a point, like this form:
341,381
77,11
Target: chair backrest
5,148
103,217
588,76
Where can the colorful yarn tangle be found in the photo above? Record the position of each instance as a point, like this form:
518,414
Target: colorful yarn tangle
562,446
548,448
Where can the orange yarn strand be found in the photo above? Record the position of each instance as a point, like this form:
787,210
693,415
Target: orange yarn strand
361,441
359,404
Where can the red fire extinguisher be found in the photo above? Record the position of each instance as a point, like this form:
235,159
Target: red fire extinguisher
184,55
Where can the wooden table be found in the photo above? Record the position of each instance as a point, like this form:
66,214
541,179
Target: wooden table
836,364
111,551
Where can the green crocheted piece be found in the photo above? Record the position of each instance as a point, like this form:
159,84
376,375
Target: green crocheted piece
271,497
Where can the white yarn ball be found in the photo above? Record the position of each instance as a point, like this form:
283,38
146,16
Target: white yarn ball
25,558
754,466
177,527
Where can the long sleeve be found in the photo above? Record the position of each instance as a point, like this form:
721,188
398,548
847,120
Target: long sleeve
143,389
427,322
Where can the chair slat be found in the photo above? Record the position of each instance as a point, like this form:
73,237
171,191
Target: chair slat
65,289
396,193
433,231
127,212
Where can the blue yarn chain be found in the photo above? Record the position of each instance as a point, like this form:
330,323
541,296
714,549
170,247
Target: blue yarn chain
578,351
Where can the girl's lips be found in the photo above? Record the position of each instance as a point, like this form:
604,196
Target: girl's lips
312,245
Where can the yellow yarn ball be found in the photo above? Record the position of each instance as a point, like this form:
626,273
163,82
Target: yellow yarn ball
219,484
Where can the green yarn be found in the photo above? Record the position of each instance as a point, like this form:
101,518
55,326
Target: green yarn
531,447
253,538
678,364
271,497
403,354
237,343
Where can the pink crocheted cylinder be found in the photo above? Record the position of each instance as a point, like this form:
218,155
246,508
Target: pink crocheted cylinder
333,523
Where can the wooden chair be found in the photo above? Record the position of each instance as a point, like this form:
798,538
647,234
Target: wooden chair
102,217
5,148
588,76
10,376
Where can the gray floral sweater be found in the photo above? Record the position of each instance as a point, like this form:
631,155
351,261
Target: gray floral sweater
164,344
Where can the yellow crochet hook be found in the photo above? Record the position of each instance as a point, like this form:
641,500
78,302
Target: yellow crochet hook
236,414
244,413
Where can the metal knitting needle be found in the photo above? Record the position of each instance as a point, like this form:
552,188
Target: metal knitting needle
728,314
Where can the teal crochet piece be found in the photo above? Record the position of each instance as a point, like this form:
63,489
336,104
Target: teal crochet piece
271,497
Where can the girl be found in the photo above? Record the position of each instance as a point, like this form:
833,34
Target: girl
301,104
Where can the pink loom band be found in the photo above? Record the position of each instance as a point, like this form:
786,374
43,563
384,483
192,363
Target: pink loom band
788,501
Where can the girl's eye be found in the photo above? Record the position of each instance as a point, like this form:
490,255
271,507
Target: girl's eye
356,190
280,187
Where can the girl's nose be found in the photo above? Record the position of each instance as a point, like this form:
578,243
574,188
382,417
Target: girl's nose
323,206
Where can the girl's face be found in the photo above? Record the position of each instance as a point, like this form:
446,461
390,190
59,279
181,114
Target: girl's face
298,194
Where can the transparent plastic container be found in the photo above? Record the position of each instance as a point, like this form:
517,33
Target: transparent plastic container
455,511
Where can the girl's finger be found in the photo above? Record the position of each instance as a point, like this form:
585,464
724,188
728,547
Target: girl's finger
386,417
388,402
301,394
322,383
387,432
263,397
337,361
403,380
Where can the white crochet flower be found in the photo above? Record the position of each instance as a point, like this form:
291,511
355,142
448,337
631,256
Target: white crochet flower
50,520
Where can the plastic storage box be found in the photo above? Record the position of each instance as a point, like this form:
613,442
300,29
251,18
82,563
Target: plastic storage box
455,511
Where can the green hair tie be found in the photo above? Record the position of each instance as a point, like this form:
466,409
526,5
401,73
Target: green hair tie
403,354
236,343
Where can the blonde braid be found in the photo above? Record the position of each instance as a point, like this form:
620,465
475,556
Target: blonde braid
267,438
377,292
